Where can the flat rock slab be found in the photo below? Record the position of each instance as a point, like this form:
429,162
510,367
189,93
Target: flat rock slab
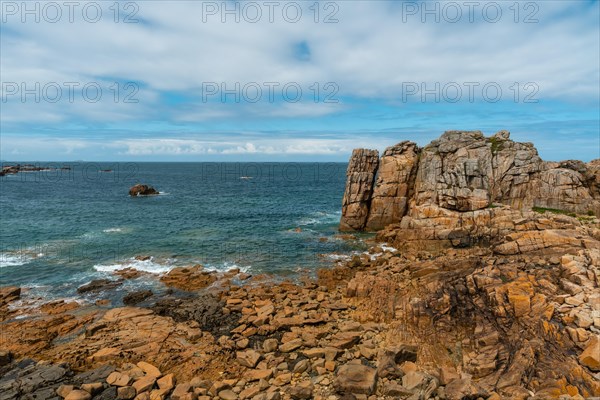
354,378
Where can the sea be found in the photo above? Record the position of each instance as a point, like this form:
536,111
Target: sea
63,227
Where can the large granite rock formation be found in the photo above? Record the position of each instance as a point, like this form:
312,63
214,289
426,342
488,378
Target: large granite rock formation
395,181
458,177
359,188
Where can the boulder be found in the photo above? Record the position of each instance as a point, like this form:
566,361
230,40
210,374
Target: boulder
356,378
136,297
142,190
98,285
591,355
78,395
248,358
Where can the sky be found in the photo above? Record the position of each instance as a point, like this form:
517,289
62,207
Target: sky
293,80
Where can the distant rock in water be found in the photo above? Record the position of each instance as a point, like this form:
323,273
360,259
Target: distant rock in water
142,190
15,169
98,285
461,172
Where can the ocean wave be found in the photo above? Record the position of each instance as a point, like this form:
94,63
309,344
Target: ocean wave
150,266
338,257
14,259
112,230
320,218
387,248
227,266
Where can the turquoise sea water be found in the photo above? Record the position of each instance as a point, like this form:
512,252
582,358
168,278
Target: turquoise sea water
62,228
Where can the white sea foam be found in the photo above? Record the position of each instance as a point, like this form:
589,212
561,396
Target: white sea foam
14,259
336,257
320,218
385,248
112,230
227,266
150,266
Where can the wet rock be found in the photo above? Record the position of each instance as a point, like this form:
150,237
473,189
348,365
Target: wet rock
98,285
136,297
142,190
9,293
189,278
205,309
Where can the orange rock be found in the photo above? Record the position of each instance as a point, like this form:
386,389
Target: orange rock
149,369
189,278
591,355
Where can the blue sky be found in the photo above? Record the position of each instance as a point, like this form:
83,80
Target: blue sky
226,81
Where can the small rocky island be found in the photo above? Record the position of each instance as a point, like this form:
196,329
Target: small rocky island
142,190
482,283
15,169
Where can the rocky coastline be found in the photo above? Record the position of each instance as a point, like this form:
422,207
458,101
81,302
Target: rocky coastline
15,169
487,287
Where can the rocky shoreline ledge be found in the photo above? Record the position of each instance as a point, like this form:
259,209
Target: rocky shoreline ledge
484,300
15,169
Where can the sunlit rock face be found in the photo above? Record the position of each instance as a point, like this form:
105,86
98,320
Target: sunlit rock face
462,172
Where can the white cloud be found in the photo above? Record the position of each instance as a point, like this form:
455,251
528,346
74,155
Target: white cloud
369,53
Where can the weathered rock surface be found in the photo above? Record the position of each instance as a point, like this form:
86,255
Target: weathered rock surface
395,181
8,294
463,172
356,378
98,285
359,188
133,298
470,323
189,278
